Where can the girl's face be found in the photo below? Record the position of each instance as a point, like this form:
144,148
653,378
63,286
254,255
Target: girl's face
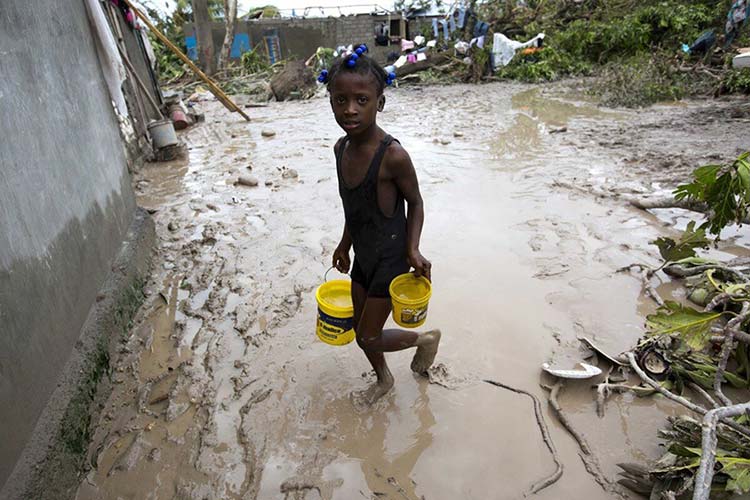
355,101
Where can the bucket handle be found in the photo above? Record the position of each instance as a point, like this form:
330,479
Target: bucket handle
325,276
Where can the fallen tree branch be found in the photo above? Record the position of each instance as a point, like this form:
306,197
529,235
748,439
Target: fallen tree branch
726,350
679,271
705,474
668,202
646,274
428,63
589,461
699,390
717,301
679,399
552,479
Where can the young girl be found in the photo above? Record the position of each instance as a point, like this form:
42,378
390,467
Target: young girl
376,176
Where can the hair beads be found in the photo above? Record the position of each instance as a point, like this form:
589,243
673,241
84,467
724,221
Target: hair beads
356,61
352,60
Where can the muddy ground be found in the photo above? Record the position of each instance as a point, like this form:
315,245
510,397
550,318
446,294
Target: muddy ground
223,390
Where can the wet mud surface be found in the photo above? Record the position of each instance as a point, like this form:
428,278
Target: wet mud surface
223,391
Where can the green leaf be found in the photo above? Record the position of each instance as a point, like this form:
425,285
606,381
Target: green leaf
691,239
738,470
743,172
734,380
693,326
704,177
697,261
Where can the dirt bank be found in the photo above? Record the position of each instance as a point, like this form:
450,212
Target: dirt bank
223,391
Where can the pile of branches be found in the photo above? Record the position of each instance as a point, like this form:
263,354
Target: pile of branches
699,355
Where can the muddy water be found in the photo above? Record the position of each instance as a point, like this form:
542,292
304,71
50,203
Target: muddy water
223,390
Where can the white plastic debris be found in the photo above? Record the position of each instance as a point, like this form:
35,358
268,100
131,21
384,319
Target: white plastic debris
585,371
504,49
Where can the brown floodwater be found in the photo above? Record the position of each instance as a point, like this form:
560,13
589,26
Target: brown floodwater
223,390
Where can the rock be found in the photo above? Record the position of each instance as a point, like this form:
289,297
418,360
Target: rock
173,226
294,81
267,133
458,134
269,183
246,180
558,130
444,142
290,173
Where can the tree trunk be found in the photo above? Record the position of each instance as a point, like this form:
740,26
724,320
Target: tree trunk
203,33
230,19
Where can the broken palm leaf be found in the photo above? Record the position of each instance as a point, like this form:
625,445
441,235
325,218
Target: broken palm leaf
684,451
704,374
734,380
693,326
738,470
702,379
672,251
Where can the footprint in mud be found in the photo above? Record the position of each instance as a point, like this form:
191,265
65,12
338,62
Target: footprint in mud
442,375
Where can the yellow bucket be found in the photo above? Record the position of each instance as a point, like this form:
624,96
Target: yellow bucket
335,312
410,297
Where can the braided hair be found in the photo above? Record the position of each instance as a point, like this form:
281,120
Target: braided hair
360,63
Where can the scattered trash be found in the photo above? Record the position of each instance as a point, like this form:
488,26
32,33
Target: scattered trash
741,61
702,44
162,133
585,371
504,49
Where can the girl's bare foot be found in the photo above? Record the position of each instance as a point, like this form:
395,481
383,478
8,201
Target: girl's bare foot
427,347
365,398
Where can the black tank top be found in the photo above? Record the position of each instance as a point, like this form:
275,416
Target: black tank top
376,237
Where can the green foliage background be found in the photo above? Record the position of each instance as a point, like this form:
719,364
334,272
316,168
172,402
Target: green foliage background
635,46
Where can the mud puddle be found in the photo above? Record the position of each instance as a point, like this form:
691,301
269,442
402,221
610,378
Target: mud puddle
224,390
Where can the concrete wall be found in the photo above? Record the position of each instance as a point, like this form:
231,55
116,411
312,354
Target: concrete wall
65,202
299,38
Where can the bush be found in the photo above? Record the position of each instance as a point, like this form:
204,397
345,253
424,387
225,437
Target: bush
545,65
253,61
737,81
640,82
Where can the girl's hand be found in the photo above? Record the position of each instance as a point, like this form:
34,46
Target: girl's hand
341,259
422,266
